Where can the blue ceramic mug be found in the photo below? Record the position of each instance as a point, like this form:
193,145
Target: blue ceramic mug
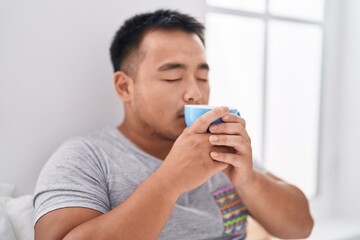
193,112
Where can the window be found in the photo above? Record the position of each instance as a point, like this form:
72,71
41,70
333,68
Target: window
265,58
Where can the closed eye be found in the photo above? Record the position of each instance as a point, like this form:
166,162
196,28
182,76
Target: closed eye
172,80
203,79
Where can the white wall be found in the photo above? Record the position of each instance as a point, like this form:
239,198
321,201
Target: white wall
322,204
56,76
348,139
339,178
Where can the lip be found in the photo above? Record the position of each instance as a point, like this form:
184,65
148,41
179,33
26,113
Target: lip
181,113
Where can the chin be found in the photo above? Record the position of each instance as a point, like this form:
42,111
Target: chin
176,133
173,131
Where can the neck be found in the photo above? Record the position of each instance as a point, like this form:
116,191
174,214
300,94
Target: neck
150,144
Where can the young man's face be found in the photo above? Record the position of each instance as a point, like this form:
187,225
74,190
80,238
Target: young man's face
172,73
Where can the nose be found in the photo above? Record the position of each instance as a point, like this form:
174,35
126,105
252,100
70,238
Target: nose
192,94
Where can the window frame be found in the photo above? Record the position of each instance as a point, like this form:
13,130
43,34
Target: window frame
266,17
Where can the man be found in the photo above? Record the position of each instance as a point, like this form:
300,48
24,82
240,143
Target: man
153,178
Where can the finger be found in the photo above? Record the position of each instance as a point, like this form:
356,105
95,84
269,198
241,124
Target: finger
230,128
235,141
223,149
219,166
202,124
230,117
229,158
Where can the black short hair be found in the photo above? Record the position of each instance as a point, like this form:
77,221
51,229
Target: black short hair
127,39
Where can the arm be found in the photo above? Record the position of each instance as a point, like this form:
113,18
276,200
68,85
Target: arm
281,208
141,216
278,206
144,214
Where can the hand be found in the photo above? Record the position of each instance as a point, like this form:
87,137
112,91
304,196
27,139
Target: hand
232,133
188,164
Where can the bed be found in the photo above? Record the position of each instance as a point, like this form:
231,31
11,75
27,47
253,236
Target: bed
16,214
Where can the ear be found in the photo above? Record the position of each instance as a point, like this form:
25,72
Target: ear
123,85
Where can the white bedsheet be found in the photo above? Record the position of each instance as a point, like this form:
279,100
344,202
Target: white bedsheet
16,215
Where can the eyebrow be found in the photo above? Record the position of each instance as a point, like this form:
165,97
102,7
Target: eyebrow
171,66
204,66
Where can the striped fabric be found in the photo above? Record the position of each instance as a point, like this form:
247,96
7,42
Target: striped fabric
233,211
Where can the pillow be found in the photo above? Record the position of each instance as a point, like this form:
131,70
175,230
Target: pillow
16,215
6,231
21,214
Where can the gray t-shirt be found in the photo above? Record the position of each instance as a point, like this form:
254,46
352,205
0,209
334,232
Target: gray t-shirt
100,171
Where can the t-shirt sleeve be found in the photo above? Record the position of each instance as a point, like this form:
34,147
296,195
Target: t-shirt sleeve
73,177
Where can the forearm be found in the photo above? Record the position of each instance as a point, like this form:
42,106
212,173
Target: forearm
142,216
281,208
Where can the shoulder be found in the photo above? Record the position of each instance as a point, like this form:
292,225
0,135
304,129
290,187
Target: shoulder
77,150
76,175
88,148
77,157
